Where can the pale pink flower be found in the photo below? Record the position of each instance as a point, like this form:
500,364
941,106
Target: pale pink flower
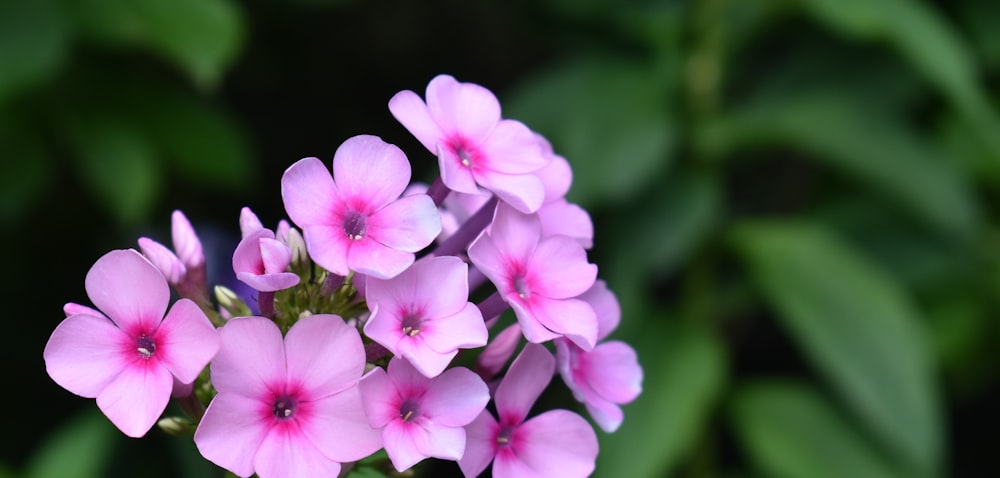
287,407
555,443
128,355
539,277
424,313
607,376
356,219
260,261
422,417
249,222
461,124
184,267
498,352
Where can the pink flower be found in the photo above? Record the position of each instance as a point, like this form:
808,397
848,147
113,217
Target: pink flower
260,261
424,313
128,355
185,268
557,215
539,277
287,408
555,443
355,219
604,377
422,417
460,122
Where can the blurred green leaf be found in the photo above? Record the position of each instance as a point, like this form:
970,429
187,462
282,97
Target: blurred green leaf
79,449
118,163
858,327
979,18
203,37
872,145
34,41
608,118
684,370
791,431
25,170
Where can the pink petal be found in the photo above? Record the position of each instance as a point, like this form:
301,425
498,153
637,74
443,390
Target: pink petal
606,308
462,107
249,222
269,282
562,218
455,398
533,329
464,330
572,318
498,351
291,455
555,443
340,428
515,233
275,255
409,224
514,149
136,398
251,358
488,258
186,242
379,398
443,288
231,432
328,246
412,113
372,258
383,326
309,193
428,361
370,173
85,353
523,192
480,445
406,379
324,355
557,177
439,441
186,341
527,377
400,443
613,371
128,289
560,267
163,259
454,174
72,308
607,415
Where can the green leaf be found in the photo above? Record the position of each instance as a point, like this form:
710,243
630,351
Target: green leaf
203,37
858,328
608,118
78,449
118,163
861,141
791,431
34,41
684,374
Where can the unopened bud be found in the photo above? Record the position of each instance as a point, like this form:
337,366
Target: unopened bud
177,426
231,302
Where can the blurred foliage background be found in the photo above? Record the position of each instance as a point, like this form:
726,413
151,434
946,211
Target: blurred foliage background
795,200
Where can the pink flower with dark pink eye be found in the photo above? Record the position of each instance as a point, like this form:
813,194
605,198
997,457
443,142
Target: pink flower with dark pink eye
424,313
461,124
539,277
356,219
422,417
555,443
128,355
260,261
287,407
607,376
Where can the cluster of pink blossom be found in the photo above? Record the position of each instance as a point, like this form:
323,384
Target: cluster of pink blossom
365,316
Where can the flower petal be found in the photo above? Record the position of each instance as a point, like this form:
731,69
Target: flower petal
438,441
572,318
340,429
557,176
606,308
164,259
561,269
454,174
328,246
136,398
369,172
491,262
465,108
514,149
129,290
527,377
607,415
231,432
464,330
411,111
498,351
186,242
455,398
480,444
287,454
429,362
324,355
409,224
309,193
561,217
533,329
249,222
442,288
614,372
523,192
379,398
369,257
555,443
400,443
515,233
383,326
251,358
186,341
85,353
275,255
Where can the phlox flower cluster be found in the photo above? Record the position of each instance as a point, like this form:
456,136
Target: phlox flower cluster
376,320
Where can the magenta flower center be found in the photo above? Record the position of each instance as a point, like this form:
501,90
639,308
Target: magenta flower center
411,324
145,346
284,408
409,409
355,225
503,438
